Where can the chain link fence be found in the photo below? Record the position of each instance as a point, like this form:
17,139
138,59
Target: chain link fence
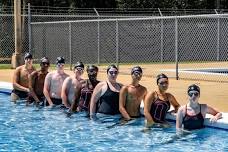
186,47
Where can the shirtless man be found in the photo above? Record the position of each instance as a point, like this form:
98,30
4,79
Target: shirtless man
72,87
36,81
53,83
132,95
20,79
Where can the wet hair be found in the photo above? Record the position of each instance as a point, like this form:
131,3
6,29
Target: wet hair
44,60
194,87
91,67
79,64
60,59
136,68
112,66
28,55
160,76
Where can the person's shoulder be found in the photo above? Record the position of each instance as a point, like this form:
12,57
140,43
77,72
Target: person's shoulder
35,73
151,93
124,87
203,106
143,87
101,83
20,68
182,109
50,74
169,94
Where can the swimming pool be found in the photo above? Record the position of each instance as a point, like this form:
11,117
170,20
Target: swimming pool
32,129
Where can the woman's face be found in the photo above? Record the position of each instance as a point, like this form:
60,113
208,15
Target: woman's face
79,71
113,73
194,95
163,84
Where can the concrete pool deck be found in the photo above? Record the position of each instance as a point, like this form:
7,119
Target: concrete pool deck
214,94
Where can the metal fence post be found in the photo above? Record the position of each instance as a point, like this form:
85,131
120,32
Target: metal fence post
98,37
117,43
176,47
162,36
218,39
70,46
29,28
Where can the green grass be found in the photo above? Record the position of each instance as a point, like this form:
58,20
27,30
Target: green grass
5,66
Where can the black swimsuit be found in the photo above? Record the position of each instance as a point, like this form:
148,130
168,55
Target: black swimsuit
109,102
86,93
158,110
193,122
20,94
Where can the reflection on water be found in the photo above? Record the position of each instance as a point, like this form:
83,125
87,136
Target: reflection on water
49,129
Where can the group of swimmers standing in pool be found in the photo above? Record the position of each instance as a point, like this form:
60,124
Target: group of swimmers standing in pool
107,97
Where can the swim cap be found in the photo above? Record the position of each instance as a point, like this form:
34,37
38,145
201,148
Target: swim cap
28,56
112,66
160,76
44,60
137,68
79,64
193,87
91,68
60,59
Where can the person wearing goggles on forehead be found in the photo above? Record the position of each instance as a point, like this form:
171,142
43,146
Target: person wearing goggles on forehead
105,97
36,82
132,95
157,103
87,88
72,87
53,83
21,79
191,116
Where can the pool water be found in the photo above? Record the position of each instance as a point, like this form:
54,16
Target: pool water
31,129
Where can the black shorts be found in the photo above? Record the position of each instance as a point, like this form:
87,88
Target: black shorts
20,94
56,101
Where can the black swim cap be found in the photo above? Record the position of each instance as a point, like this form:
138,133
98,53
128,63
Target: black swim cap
160,76
91,68
137,68
112,66
44,60
60,59
193,87
28,56
79,64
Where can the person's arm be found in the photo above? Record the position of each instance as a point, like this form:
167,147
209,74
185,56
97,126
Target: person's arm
147,106
95,97
64,91
179,118
216,114
31,86
76,98
16,78
46,89
122,102
173,102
